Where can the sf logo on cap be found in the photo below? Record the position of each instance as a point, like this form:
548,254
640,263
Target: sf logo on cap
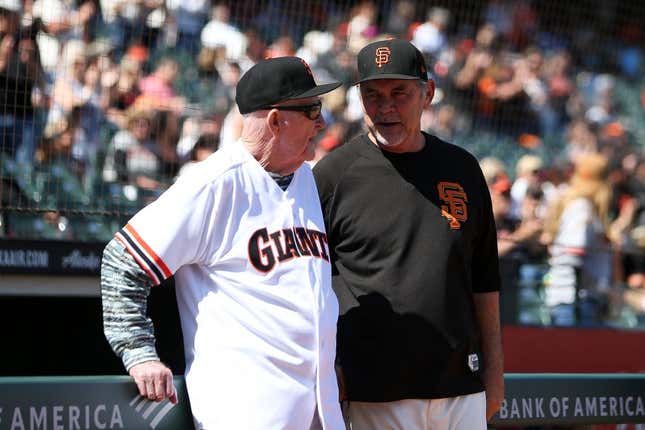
382,56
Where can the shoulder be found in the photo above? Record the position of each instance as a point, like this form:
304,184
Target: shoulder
439,144
213,182
451,153
340,158
219,168
305,171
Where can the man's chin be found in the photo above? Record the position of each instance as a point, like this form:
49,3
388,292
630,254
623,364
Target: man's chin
310,152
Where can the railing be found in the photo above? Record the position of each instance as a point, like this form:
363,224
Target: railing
112,402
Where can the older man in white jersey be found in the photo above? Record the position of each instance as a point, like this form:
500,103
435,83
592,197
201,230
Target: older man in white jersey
244,236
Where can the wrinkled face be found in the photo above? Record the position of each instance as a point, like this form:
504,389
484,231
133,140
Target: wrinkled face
393,109
294,143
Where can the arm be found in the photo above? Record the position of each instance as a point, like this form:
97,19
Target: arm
124,292
6,50
487,310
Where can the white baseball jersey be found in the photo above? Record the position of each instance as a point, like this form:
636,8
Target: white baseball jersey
253,283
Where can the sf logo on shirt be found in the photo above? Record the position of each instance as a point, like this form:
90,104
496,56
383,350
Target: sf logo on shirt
266,249
455,209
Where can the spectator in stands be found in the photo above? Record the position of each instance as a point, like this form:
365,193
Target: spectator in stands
206,145
499,187
77,88
219,32
129,22
132,155
560,87
283,46
189,17
10,13
255,49
157,89
121,84
627,179
493,170
400,18
474,62
62,22
430,37
22,86
635,266
516,235
57,143
224,92
526,236
190,132
362,25
518,93
579,140
214,88
165,134
444,123
635,294
499,14
527,174
314,44
577,231
338,61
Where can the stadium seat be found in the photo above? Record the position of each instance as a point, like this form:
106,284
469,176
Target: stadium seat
37,226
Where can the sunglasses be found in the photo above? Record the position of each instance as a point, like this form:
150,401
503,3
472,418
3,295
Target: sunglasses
311,111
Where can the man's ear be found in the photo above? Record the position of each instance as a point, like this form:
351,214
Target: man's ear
273,121
429,93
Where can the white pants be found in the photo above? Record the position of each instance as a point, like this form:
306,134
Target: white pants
453,413
315,422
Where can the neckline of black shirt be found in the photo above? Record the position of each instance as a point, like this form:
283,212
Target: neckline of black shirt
401,155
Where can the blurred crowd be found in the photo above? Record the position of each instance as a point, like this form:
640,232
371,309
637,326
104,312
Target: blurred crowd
103,103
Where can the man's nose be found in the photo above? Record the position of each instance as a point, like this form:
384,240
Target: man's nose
386,105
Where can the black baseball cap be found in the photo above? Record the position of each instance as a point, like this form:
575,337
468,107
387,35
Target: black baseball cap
277,80
391,59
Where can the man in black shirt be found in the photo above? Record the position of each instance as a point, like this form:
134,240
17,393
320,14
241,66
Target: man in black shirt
415,263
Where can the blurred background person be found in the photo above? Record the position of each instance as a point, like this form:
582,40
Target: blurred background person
430,37
77,91
188,17
219,32
527,174
62,21
131,22
157,90
22,85
206,145
577,232
132,154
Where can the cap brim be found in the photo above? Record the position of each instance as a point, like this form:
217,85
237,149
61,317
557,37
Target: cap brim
386,76
316,91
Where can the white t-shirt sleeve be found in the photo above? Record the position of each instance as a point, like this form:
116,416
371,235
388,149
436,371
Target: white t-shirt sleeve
173,230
